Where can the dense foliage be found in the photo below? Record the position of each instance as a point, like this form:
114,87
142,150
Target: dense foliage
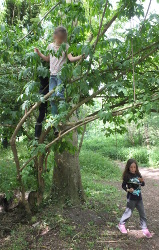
109,62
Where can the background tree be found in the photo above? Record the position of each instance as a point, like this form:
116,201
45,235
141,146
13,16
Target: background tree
24,11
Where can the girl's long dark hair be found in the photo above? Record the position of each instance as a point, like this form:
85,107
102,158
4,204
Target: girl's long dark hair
126,172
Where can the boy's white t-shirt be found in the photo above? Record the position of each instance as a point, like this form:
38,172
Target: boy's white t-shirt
57,63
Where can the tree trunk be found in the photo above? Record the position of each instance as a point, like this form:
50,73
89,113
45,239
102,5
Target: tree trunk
67,185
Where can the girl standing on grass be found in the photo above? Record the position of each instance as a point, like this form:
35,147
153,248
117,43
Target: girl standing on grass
132,182
56,64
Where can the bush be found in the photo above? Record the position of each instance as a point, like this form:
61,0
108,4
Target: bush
154,157
141,155
107,148
8,179
102,145
8,173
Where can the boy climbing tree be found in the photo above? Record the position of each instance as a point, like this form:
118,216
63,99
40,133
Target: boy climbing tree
56,64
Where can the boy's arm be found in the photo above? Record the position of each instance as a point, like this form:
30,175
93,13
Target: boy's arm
45,58
74,58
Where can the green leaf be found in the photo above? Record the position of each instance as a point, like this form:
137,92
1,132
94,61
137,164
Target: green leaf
2,27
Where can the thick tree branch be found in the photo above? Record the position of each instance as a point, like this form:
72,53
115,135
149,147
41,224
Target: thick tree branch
107,25
44,134
147,55
87,99
82,138
69,130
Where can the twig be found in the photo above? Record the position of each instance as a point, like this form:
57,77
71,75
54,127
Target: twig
75,235
146,15
32,158
7,125
98,36
144,57
107,25
131,106
108,241
133,68
139,51
97,39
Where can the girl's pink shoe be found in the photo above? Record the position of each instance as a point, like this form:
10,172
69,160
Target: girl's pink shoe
147,233
122,229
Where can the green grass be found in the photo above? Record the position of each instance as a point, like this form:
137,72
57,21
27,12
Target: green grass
97,170
101,191
96,163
